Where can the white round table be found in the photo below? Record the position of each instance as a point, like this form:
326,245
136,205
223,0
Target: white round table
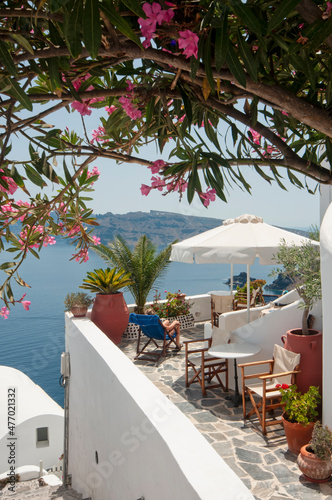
234,351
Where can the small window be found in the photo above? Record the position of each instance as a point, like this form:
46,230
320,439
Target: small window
42,436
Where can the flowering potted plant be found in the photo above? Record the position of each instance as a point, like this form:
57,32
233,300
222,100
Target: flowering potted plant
110,311
314,460
77,303
175,306
300,414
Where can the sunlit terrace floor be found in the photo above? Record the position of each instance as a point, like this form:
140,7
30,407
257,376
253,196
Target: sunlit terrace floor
264,464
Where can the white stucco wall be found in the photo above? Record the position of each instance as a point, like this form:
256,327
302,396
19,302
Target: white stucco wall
268,330
33,408
146,447
326,273
200,306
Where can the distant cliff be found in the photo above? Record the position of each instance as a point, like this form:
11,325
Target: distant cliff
161,227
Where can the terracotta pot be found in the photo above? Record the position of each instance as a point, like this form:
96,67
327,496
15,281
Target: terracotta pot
78,311
314,469
297,435
310,348
110,313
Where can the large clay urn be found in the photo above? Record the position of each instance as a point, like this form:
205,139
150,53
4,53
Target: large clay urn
310,348
110,313
297,435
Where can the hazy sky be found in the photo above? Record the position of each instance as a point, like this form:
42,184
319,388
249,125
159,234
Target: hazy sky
118,190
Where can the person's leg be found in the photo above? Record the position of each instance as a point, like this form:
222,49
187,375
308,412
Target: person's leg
175,327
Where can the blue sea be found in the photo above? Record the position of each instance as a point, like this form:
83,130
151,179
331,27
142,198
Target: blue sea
32,341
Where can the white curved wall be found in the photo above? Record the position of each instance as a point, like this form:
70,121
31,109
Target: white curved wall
326,272
26,450
146,447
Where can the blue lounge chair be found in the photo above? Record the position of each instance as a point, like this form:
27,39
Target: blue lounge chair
151,326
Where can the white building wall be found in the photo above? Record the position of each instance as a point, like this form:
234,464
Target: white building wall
26,450
145,446
326,273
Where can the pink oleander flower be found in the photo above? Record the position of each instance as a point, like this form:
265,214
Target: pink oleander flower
157,183
82,255
129,108
130,85
82,107
96,240
154,15
26,304
284,113
97,135
93,172
156,166
145,190
4,312
110,109
49,240
189,42
74,230
209,196
12,186
256,136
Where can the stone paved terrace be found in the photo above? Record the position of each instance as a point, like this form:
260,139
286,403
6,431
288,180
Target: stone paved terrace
264,464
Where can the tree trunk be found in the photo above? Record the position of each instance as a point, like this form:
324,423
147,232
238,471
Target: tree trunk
304,321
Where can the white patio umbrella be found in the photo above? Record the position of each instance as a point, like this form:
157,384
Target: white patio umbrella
236,241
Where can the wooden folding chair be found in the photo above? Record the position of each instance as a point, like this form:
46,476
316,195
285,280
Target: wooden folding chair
219,305
283,368
152,327
202,366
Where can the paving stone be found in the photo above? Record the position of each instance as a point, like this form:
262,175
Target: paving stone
248,455
223,448
205,416
217,436
230,461
283,473
256,472
270,459
206,428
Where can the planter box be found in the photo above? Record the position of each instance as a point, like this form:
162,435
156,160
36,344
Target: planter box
186,321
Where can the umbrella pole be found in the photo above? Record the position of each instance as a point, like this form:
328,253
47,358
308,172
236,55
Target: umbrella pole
248,293
232,270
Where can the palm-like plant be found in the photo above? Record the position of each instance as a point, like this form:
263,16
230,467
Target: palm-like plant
106,280
143,263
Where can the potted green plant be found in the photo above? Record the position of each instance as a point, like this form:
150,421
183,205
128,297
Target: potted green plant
143,262
300,415
314,460
109,311
301,264
174,307
77,303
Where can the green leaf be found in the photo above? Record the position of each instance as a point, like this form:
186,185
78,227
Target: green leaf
247,16
73,28
53,69
135,6
149,111
193,182
6,59
18,93
281,12
235,66
67,174
92,27
318,32
34,176
208,63
247,56
195,62
221,40
328,144
187,104
118,21
23,42
7,265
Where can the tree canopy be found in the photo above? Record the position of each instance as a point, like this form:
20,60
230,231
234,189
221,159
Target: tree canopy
164,72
